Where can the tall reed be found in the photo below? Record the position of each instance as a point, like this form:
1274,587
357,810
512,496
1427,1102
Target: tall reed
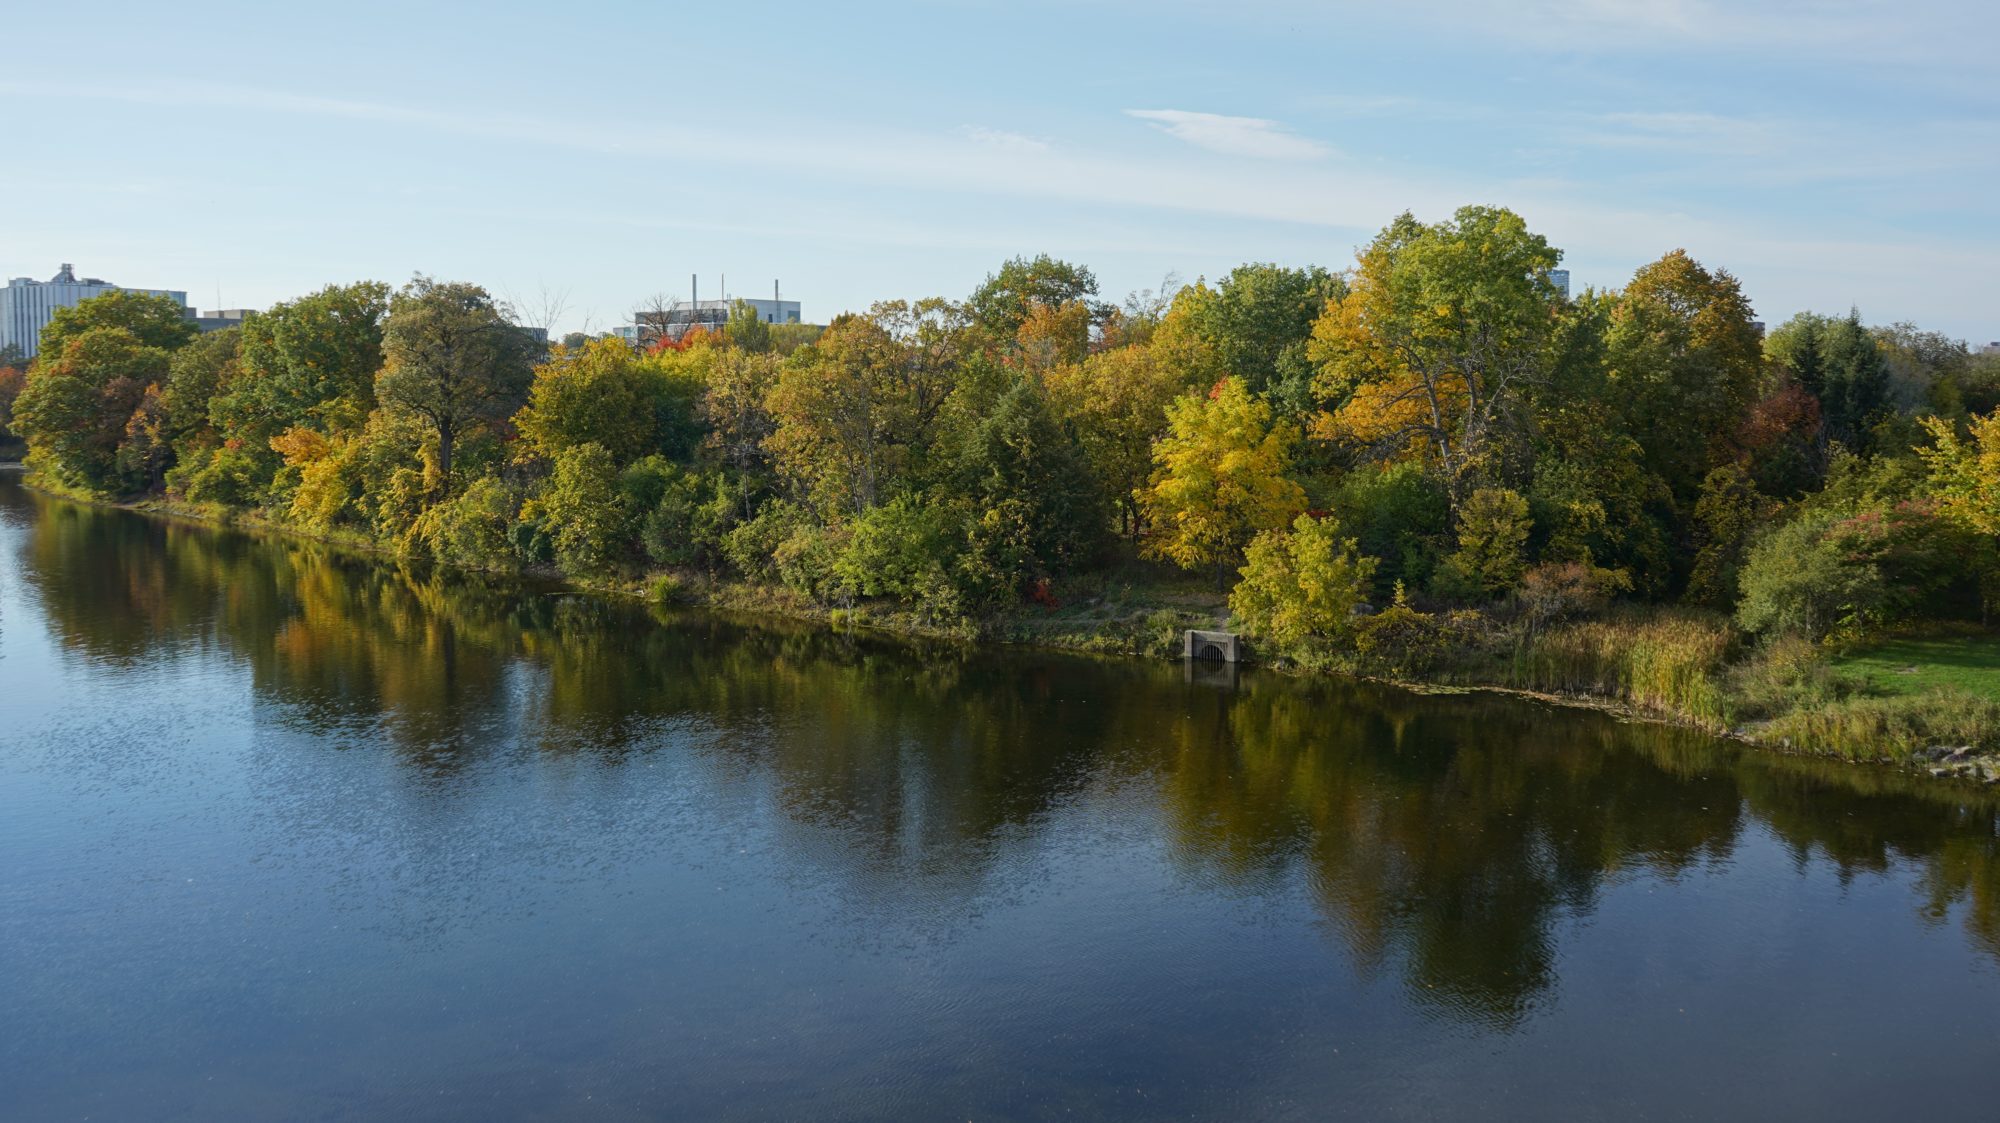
1894,727
1670,663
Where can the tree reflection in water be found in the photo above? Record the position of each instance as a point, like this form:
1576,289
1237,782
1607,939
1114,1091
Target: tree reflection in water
1443,838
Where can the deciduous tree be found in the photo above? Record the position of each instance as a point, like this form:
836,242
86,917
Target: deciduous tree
155,321
78,401
1442,328
453,359
1219,478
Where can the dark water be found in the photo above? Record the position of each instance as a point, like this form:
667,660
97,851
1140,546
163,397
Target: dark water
287,834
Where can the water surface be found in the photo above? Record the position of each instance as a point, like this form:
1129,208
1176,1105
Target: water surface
286,833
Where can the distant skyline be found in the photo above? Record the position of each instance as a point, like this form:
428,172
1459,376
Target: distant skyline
1828,154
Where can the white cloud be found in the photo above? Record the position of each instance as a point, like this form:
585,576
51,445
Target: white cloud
1791,263
1233,136
1002,139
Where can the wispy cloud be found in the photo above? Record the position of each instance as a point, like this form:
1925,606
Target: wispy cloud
1287,182
1002,139
1233,136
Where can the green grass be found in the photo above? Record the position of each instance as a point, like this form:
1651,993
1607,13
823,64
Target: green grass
1908,667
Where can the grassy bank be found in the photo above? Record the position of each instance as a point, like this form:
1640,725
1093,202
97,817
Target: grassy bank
1900,700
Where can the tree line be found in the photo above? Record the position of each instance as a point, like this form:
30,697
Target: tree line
1356,454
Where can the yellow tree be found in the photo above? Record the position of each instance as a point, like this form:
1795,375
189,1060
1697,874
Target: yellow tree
1116,401
598,393
1300,588
1965,475
1218,478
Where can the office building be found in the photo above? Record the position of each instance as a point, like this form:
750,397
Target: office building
26,305
1560,279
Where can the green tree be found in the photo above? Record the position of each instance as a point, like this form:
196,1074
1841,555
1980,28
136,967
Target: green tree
1400,515
1259,319
1300,587
1020,453
155,321
1005,300
746,330
1441,333
453,359
313,361
1219,478
579,509
1843,366
1685,361
1724,516
196,374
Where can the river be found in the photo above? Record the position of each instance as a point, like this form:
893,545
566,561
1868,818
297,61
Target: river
287,833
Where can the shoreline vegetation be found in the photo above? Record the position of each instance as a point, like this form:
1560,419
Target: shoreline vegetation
1654,666
1435,468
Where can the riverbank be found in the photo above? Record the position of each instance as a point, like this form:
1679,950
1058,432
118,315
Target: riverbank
1921,703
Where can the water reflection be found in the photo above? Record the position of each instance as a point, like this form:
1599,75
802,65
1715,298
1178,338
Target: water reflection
1444,840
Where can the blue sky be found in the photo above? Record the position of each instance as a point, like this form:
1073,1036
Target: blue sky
1830,154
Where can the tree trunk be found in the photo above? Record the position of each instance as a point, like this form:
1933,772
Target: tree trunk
444,455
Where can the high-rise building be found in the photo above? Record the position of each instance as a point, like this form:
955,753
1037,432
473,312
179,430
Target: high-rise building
1560,279
26,305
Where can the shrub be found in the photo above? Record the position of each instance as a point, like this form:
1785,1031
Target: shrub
1785,672
475,529
901,549
1400,640
1493,528
999,555
1827,571
750,546
805,559
665,588
579,508
1557,591
227,476
1300,587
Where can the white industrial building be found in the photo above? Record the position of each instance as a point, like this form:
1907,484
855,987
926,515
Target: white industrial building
26,305
682,316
